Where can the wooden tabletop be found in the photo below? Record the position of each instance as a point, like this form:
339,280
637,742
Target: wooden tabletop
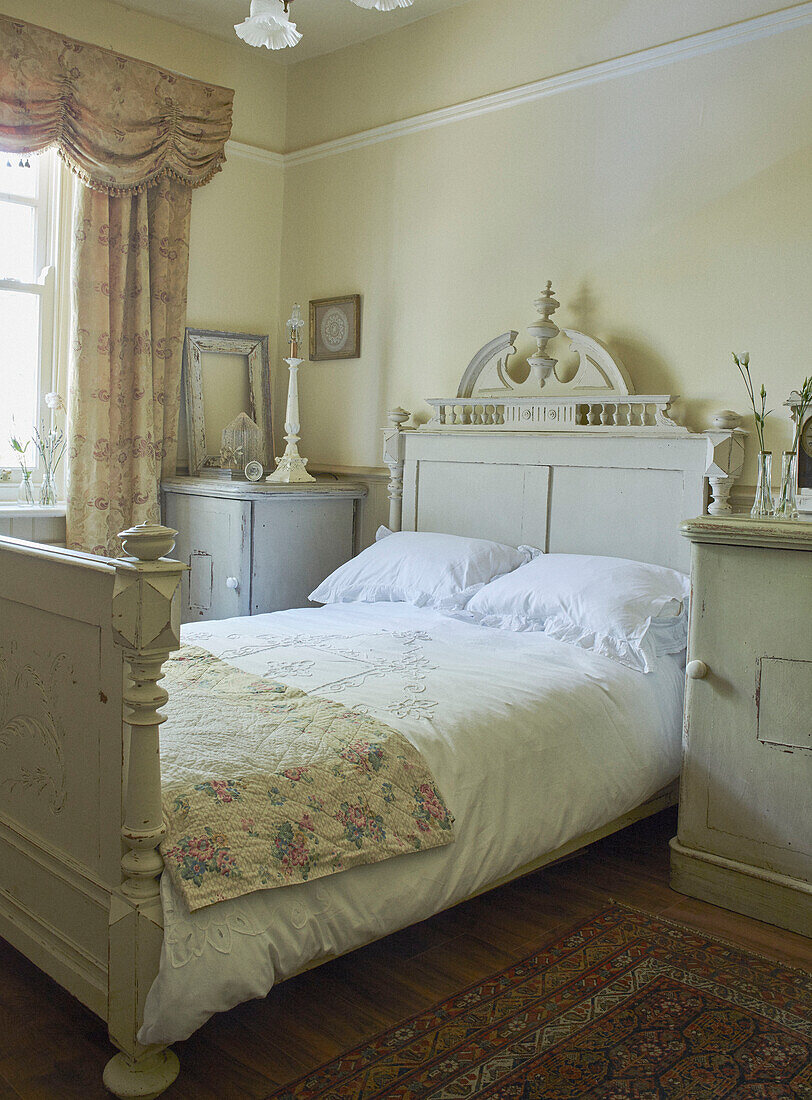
261,490
791,534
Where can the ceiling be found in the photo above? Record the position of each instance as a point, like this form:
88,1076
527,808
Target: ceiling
325,25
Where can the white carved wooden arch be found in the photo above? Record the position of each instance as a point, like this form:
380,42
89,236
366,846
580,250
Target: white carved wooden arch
599,398
599,395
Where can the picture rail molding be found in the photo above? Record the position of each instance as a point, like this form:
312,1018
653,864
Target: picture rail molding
682,49
761,26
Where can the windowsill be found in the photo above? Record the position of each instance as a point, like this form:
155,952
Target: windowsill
14,510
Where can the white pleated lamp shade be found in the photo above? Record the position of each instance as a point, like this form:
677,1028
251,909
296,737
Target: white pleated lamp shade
383,5
268,25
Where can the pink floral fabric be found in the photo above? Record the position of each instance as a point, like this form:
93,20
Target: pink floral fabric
129,272
119,123
140,138
266,786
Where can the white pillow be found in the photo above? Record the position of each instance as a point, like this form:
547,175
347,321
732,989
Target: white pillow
603,604
420,567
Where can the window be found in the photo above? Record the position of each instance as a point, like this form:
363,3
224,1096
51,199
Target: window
27,244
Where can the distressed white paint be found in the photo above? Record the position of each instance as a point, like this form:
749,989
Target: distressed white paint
579,466
259,547
37,523
745,833
69,900
204,452
80,781
291,468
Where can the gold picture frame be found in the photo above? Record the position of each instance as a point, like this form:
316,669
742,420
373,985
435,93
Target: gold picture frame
335,328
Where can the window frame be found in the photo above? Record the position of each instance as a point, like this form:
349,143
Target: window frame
46,206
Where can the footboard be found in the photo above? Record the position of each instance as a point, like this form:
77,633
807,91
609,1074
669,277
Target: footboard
82,639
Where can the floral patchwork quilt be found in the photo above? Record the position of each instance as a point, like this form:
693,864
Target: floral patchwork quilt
265,785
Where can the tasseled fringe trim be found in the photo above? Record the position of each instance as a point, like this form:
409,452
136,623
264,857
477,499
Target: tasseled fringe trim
137,188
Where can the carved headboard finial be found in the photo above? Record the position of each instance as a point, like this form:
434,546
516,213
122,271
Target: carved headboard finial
542,332
546,303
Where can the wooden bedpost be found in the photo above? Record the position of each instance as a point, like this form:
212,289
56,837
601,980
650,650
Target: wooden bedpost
393,456
146,624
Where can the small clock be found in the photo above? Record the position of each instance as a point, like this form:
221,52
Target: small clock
253,470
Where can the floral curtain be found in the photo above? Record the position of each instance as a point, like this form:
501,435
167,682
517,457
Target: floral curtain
129,269
120,124
140,138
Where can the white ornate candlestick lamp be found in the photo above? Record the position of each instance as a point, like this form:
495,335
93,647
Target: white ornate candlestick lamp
290,468
543,332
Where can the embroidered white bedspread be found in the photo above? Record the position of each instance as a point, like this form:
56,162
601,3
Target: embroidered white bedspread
532,741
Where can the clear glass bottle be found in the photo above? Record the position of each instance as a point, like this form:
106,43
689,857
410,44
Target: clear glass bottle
785,508
763,503
25,493
47,491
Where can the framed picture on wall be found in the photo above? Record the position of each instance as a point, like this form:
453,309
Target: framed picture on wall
335,328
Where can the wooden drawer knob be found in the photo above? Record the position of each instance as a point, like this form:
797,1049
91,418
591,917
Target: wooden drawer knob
697,670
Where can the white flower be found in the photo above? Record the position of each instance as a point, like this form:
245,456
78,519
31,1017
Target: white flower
54,400
744,358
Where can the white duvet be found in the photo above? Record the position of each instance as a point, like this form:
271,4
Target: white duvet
532,742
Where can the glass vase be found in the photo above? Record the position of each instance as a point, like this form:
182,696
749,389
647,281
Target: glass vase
763,503
47,491
25,493
785,508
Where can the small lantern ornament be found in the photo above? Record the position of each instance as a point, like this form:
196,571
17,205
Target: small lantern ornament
241,443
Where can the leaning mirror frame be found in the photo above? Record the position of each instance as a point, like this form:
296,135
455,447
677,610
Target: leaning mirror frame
255,349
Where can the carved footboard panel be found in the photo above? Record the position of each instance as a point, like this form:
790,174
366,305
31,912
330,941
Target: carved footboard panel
82,642
61,682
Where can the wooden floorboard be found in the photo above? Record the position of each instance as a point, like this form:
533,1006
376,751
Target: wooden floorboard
51,1047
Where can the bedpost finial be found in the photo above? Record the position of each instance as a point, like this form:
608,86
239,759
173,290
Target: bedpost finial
148,541
397,417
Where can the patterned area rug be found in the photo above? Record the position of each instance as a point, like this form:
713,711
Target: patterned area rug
626,1006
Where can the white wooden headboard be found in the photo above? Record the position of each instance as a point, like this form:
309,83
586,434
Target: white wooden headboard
584,466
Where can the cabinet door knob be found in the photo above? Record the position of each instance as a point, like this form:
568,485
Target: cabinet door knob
697,670
232,582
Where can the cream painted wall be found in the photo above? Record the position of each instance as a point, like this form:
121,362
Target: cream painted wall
481,47
236,218
670,207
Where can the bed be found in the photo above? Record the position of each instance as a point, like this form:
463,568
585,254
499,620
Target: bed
580,467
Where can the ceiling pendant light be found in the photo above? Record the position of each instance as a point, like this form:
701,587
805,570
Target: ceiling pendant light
268,25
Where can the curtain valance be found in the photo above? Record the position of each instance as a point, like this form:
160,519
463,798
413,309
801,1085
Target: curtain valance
119,123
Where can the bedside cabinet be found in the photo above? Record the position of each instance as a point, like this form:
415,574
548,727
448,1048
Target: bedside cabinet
744,840
253,548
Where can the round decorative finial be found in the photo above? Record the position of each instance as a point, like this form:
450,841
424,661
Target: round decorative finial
397,416
726,420
147,541
543,331
546,303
